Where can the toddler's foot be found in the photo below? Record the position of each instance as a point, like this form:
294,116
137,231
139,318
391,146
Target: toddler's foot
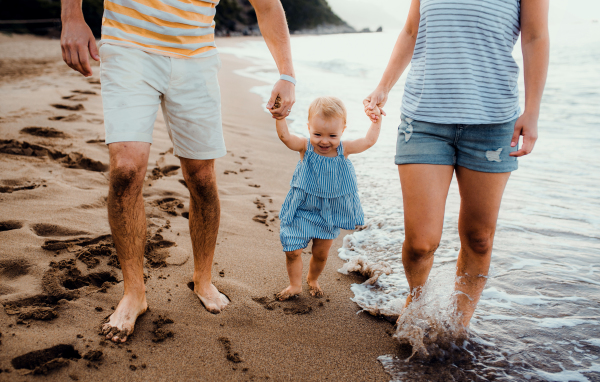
314,288
288,293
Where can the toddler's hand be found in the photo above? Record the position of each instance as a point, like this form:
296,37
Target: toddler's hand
374,114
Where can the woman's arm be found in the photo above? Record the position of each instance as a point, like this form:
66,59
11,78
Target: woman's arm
535,43
401,56
292,141
362,144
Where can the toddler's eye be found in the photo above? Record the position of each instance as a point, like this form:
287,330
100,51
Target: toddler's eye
317,135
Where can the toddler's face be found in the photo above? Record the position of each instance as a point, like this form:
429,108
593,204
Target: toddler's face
325,134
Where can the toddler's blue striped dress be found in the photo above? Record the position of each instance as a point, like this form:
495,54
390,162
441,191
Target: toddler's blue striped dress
323,198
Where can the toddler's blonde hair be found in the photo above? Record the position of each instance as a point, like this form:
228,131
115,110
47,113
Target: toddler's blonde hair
328,107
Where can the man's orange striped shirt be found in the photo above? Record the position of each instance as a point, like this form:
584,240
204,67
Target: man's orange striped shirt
176,28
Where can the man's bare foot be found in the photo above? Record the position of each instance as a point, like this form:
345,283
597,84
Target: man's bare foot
288,293
314,288
213,300
120,324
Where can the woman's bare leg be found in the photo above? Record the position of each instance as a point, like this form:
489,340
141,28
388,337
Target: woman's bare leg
424,192
480,195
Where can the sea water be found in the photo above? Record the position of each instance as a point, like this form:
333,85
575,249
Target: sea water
538,317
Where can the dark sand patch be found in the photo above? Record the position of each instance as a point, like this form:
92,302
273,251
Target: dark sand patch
269,304
89,92
46,132
11,269
69,160
8,186
9,225
45,360
76,107
49,230
160,332
299,310
230,354
75,97
169,205
66,118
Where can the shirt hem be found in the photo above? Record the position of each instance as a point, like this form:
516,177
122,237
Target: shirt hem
443,121
158,52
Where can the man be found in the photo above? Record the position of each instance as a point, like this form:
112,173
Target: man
163,52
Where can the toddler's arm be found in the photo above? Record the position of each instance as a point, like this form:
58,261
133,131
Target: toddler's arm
362,144
292,141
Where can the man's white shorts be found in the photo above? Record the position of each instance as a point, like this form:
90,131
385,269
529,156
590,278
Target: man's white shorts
135,82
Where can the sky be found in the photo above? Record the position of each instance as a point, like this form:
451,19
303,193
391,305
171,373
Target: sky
391,14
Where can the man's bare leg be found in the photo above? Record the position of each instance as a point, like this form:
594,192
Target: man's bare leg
293,263
205,211
480,198
127,218
320,252
424,192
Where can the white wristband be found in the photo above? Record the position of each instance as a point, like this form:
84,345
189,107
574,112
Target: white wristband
285,77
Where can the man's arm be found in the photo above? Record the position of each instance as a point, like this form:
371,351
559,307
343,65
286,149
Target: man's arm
77,39
273,26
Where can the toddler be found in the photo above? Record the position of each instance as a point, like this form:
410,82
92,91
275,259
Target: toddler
323,197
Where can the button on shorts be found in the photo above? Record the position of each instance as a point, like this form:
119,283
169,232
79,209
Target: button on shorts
484,148
135,83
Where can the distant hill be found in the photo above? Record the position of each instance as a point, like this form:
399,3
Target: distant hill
233,16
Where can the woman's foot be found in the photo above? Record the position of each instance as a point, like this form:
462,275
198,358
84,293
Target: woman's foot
288,293
314,288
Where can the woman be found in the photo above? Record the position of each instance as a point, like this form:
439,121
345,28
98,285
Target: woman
460,113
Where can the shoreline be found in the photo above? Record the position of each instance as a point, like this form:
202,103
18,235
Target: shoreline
303,339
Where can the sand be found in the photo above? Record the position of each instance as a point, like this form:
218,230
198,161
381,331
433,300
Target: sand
59,277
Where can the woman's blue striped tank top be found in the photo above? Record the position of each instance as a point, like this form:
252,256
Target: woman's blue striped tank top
462,70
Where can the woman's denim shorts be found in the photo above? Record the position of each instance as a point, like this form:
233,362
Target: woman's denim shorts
477,147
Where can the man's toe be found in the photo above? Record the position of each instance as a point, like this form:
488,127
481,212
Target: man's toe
112,332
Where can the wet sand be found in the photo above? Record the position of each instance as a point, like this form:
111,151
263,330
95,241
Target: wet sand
59,277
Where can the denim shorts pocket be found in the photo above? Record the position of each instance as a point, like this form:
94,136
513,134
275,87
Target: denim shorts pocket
405,127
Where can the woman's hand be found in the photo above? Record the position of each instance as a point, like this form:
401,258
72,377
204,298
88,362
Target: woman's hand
377,99
527,126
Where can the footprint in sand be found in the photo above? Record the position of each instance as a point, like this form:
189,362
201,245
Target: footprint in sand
51,230
69,160
230,354
98,140
88,92
227,172
159,172
12,185
76,107
169,205
11,269
66,118
265,217
46,132
9,225
42,362
75,97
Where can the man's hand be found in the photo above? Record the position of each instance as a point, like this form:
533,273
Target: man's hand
375,100
76,41
287,92
526,126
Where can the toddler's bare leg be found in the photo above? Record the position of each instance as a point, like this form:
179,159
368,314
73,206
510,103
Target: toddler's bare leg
320,252
293,262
